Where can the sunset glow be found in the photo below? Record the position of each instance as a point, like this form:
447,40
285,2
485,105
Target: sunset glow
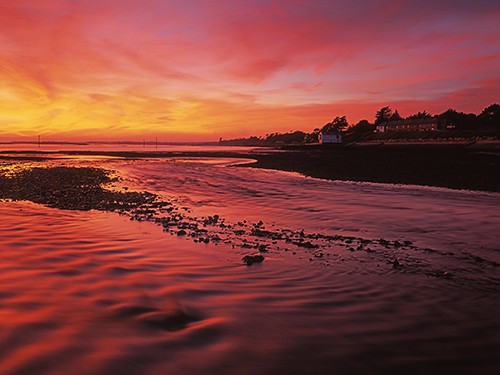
200,70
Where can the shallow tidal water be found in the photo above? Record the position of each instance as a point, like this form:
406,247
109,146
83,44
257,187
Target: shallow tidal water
97,293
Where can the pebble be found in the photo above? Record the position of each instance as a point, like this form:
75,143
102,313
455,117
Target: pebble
251,259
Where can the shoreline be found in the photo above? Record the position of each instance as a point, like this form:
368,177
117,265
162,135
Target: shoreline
101,189
91,188
459,167
454,166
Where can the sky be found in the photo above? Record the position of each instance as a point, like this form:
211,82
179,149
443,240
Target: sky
198,70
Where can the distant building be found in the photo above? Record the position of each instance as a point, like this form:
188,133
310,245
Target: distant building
420,124
330,137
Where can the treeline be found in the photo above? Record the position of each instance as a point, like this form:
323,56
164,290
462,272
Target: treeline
488,121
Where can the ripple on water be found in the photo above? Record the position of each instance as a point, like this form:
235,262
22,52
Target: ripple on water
93,293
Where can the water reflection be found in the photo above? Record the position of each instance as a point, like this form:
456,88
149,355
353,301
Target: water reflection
433,217
96,293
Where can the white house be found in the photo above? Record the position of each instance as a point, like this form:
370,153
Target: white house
330,137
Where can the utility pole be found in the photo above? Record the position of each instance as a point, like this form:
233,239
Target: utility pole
156,143
38,141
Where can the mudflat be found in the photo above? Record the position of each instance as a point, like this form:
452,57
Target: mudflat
455,166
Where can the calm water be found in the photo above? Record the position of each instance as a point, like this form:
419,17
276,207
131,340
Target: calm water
149,147
96,293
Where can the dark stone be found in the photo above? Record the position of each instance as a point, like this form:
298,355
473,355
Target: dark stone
260,233
307,245
182,232
251,259
263,248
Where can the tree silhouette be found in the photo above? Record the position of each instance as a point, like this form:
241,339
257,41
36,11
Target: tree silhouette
383,115
286,138
420,115
312,137
337,125
396,116
361,127
461,121
491,116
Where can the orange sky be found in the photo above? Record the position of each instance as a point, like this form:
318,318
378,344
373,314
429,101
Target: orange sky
200,70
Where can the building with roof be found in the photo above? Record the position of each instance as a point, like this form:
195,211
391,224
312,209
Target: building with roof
420,124
324,137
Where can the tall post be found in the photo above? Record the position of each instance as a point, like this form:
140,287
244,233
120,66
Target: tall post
156,142
38,141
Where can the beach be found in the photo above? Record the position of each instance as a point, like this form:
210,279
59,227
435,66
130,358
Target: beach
135,264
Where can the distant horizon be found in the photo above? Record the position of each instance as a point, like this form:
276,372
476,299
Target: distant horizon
152,139
146,142
198,71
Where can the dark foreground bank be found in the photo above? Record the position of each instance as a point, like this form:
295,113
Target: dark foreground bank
451,166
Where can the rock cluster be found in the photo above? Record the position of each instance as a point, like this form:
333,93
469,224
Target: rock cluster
88,188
